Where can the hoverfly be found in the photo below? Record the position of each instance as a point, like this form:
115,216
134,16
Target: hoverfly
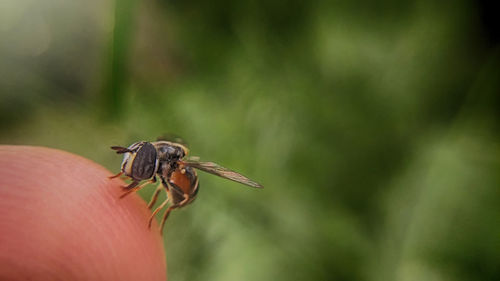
146,162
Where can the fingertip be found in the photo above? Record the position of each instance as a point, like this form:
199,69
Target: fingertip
61,216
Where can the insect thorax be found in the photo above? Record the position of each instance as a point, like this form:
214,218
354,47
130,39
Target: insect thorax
169,151
169,154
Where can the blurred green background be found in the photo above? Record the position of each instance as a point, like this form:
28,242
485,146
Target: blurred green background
374,126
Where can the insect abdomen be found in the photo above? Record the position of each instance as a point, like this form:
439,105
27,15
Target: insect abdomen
186,180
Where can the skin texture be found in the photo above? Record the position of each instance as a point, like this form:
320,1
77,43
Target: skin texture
61,219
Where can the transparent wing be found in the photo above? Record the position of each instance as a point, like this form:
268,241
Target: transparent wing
215,169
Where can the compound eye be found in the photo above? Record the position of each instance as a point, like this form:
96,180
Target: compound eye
145,162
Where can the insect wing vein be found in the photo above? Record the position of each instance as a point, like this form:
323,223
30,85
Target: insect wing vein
215,169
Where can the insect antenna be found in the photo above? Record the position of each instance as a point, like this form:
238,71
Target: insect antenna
120,149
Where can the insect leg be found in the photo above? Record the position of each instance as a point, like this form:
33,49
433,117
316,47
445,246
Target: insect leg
165,216
134,187
170,208
155,196
169,186
156,212
115,176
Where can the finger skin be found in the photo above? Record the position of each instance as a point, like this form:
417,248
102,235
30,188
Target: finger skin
61,219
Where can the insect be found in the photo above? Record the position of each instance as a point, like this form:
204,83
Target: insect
167,162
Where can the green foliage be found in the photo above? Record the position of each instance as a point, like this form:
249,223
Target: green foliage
373,127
